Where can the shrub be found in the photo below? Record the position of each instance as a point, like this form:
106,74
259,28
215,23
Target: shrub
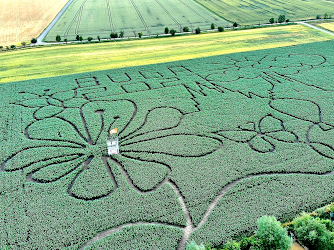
23,44
172,32
34,40
220,29
318,17
140,34
90,39
193,246
186,29
113,35
12,47
58,38
65,40
197,30
235,25
312,233
271,20
77,37
272,235
232,245
1,47
287,20
213,26
326,16
80,38
166,30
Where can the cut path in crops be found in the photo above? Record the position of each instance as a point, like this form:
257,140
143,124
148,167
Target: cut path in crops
90,18
22,20
62,60
248,12
207,146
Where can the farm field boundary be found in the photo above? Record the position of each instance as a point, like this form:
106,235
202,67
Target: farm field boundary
326,25
208,145
22,20
254,12
92,18
62,60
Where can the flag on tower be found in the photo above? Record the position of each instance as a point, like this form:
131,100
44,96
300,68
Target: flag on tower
113,131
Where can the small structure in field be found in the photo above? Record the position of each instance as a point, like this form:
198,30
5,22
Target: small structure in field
112,143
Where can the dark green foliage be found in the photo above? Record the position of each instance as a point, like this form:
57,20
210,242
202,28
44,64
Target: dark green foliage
220,29
90,39
166,30
58,38
272,235
34,40
99,38
113,35
287,20
272,20
23,44
13,47
281,18
172,32
80,38
140,34
232,245
213,26
65,40
235,25
77,37
312,232
197,30
186,29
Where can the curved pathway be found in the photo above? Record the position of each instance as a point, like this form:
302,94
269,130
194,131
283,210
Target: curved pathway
46,31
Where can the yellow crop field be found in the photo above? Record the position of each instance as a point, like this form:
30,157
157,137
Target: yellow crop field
21,20
327,25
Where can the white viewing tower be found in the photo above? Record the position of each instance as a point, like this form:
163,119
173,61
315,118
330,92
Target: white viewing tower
112,143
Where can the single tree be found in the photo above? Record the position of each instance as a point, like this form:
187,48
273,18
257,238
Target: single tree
272,235
197,30
23,44
220,29
287,20
272,20
281,18
140,34
172,32
58,38
318,17
213,26
166,30
121,34
113,35
65,40
77,37
99,38
80,38
235,25
12,47
186,29
326,16
33,41
90,39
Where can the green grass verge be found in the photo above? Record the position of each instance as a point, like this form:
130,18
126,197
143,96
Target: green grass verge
60,60
254,12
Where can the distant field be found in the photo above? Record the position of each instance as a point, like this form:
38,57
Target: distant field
327,25
21,20
92,18
253,12
61,60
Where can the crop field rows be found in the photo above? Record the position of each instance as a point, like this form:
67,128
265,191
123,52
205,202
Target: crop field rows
22,20
249,12
92,18
207,146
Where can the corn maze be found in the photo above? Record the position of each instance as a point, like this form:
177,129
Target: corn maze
207,146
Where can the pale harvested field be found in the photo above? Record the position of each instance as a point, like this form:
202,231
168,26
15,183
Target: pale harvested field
21,20
327,25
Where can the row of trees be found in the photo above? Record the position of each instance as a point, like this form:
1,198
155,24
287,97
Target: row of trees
315,231
281,19
326,16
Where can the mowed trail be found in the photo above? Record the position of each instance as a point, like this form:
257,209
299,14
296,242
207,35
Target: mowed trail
21,20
